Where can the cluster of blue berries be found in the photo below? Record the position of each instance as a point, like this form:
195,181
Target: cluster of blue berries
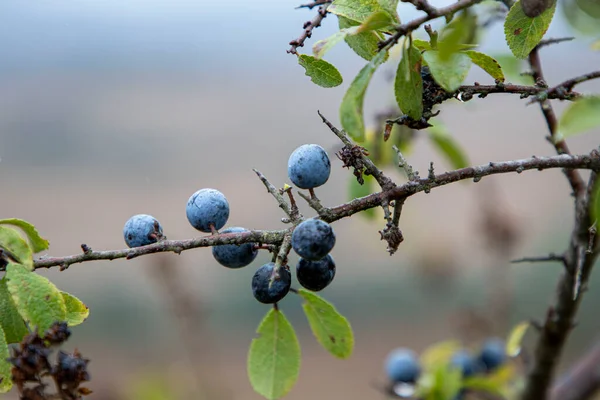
403,368
208,211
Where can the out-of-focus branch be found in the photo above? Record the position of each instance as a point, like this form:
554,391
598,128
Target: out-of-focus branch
582,381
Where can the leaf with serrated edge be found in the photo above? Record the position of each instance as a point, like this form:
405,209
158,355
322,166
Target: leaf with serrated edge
523,33
448,74
391,6
5,366
351,109
582,115
320,71
364,44
274,357
37,299
357,11
486,63
331,329
15,246
77,312
408,85
37,242
448,147
10,320
513,344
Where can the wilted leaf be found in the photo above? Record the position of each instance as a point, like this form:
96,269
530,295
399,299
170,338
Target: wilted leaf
77,312
320,71
513,344
37,242
274,357
38,301
5,366
15,246
408,85
448,147
351,109
448,74
581,115
487,63
331,329
524,33
10,320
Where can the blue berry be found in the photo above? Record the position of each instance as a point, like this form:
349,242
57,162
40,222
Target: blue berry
207,207
235,255
315,275
267,292
464,361
493,353
402,366
141,230
309,166
313,239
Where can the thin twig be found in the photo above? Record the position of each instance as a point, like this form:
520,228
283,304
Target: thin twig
550,257
314,4
402,163
551,41
467,92
308,28
275,193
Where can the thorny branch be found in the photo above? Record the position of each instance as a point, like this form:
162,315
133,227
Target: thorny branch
399,193
308,28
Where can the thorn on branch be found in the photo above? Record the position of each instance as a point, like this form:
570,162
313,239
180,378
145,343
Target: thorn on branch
309,26
86,249
402,163
314,4
550,257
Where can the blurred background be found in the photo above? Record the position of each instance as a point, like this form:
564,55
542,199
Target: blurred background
114,108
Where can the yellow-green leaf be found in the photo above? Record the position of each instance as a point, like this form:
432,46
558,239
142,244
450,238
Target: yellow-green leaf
5,366
364,44
581,116
77,312
444,384
391,6
379,20
408,85
15,247
448,74
513,344
10,320
439,354
323,46
351,109
487,63
320,71
38,301
358,11
456,34
274,357
524,33
448,147
331,329
37,242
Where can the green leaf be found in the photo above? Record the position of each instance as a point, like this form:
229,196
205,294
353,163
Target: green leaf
356,190
320,71
408,85
421,44
351,109
487,63
448,74
513,344
323,46
483,384
5,366
391,6
456,34
274,357
331,329
524,33
513,69
364,44
15,246
38,301
448,147
581,115
439,354
358,11
445,383
10,320
77,312
377,21
37,242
